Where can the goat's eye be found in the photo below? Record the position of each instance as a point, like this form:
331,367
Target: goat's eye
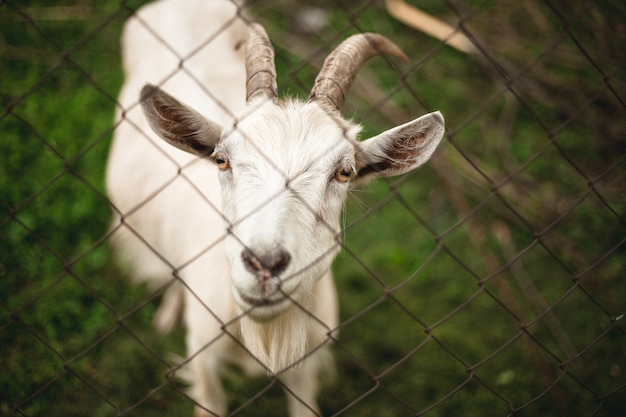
343,174
222,161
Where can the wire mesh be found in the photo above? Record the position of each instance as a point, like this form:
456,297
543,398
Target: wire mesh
489,282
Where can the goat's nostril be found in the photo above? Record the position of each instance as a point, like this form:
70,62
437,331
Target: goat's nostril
265,264
280,262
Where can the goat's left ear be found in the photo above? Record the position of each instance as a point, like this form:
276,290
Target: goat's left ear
400,149
178,124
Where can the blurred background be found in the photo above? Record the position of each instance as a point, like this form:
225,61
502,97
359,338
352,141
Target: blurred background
491,282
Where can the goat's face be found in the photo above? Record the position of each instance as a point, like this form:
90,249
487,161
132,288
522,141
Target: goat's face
285,170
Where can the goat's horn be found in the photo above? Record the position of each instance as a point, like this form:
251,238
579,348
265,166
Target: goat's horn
341,66
260,68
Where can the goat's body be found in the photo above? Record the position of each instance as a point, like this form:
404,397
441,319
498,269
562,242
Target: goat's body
150,183
258,292
144,178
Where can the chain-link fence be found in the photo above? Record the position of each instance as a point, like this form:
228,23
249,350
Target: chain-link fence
490,282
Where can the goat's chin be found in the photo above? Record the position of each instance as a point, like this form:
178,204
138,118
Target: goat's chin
279,341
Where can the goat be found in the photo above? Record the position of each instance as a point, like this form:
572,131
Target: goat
239,221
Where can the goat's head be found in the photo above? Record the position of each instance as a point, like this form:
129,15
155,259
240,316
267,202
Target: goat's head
285,168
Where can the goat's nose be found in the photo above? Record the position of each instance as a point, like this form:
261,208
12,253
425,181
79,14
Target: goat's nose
265,264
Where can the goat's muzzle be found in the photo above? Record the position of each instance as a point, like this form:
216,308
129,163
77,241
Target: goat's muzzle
267,299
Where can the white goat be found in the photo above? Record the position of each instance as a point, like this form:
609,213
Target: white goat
258,291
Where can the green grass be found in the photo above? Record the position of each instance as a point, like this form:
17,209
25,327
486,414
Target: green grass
490,281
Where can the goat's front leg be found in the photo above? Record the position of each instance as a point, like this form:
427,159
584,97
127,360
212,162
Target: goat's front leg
207,350
203,373
302,385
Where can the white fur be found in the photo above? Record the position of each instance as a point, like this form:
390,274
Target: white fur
182,225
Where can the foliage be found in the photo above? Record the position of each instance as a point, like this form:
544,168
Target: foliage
488,283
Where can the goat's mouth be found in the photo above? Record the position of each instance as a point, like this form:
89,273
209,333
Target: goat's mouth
263,308
263,301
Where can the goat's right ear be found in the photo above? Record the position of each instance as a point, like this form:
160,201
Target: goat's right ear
178,124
